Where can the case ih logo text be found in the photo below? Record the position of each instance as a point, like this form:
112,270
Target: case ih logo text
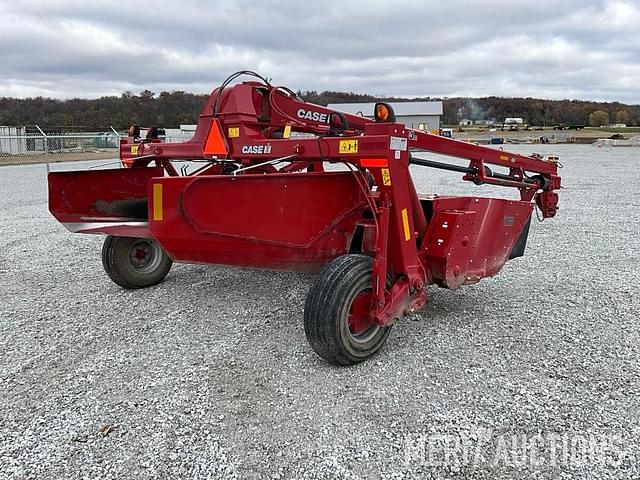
311,115
256,149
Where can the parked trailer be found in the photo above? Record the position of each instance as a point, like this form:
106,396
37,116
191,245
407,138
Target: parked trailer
263,198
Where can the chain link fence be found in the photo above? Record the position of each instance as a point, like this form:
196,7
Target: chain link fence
18,146
22,146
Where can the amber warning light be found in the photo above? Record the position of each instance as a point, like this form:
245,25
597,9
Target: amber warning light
383,112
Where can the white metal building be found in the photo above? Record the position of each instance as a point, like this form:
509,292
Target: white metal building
418,115
178,135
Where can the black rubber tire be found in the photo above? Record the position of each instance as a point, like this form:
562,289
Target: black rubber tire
117,262
326,310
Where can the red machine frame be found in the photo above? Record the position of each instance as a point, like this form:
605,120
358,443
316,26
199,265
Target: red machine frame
263,198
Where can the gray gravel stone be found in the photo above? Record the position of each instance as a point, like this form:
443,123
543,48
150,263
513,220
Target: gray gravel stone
209,374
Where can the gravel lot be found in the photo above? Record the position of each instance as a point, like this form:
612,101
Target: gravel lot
209,375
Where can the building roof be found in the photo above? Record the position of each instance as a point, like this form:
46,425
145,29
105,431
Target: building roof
402,109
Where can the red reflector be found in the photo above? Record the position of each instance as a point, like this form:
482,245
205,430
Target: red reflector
216,144
374,162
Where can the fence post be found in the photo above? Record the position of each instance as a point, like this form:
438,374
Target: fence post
46,147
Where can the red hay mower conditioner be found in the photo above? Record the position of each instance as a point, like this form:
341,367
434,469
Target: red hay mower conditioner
262,198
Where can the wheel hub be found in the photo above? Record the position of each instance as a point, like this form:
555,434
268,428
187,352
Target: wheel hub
144,256
359,319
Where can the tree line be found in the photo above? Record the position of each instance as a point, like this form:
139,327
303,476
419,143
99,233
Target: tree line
534,111
170,109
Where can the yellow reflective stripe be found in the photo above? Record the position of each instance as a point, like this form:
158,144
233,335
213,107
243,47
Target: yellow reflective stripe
405,224
157,202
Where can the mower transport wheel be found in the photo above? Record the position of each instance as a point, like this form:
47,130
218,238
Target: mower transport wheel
134,262
336,312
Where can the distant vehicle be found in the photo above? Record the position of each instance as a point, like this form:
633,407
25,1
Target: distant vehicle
446,132
514,127
564,126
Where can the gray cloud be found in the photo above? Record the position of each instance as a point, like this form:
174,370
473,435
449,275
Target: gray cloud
572,49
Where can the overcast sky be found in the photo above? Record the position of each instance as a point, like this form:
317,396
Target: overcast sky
584,49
